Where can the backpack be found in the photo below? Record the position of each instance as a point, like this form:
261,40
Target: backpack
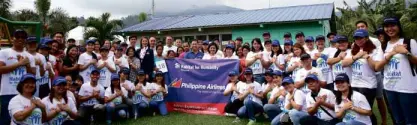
406,41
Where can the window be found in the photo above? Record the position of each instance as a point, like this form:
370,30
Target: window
188,38
212,37
202,37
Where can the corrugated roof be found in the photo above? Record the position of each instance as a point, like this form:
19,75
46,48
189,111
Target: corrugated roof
279,14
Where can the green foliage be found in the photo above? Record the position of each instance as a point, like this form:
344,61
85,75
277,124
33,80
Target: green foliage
5,6
102,27
142,17
42,8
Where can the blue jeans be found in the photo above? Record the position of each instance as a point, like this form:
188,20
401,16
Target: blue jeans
137,108
272,110
403,107
159,105
260,78
249,109
296,115
121,110
277,119
4,111
351,122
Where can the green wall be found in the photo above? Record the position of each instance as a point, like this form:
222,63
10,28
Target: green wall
277,30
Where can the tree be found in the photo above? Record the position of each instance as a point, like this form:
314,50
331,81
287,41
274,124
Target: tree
42,8
5,6
26,15
142,17
102,27
59,21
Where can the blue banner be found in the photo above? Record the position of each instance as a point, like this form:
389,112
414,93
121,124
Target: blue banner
196,86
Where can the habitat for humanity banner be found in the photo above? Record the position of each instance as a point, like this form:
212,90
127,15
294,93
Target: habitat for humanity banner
196,86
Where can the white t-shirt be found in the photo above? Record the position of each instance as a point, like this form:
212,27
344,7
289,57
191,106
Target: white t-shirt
323,66
256,67
242,87
10,80
303,73
281,99
62,116
153,87
87,90
376,42
210,57
123,63
130,85
299,98
85,59
234,95
358,100
397,73
232,57
330,99
97,54
117,100
278,59
291,63
39,80
311,52
71,95
220,53
139,97
105,73
20,103
362,74
337,68
166,49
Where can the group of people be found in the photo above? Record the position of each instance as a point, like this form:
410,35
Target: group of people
55,82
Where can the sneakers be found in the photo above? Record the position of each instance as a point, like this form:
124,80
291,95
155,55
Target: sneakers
251,122
266,116
230,114
237,120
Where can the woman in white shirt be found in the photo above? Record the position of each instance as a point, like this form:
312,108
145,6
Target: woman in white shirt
115,99
400,72
295,102
25,108
283,62
335,59
250,92
141,94
276,55
59,107
293,60
159,91
351,106
257,61
234,103
106,67
212,50
230,49
275,105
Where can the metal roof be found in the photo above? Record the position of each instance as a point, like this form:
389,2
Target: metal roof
272,15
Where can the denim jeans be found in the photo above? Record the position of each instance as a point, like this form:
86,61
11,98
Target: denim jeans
160,105
138,108
277,119
121,111
260,78
272,110
351,122
249,109
314,120
4,111
296,115
404,107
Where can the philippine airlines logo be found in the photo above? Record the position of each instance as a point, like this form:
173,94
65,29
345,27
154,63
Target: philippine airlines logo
176,83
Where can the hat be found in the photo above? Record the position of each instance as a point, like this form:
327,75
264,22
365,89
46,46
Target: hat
159,73
31,40
44,47
390,20
239,38
266,34
49,41
104,48
299,34
19,31
310,39
305,56
141,72
277,72
90,41
206,42
320,37
248,71
26,77
287,34
229,46
339,38
275,43
268,42
120,48
269,71
342,77
233,73
287,80
329,34
114,77
124,70
288,42
361,33
95,71
59,80
379,31
311,76
45,40
124,44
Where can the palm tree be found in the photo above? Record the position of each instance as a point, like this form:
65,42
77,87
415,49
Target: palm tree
142,17
42,8
5,6
59,20
26,15
102,27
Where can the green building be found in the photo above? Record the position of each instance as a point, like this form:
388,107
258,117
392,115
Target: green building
313,20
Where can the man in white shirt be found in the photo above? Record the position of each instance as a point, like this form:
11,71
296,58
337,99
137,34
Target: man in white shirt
91,98
300,38
305,71
152,44
169,46
309,46
132,41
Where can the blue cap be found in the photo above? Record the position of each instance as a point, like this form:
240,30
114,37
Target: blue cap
206,42
379,31
95,71
299,34
305,56
277,73
288,42
230,46
361,33
160,73
26,77
20,31
248,71
124,70
31,40
320,37
339,38
120,48
114,77
342,77
90,41
233,73
310,39
46,41
287,80
59,80
287,34
311,76
275,43
141,72
269,71
44,47
391,20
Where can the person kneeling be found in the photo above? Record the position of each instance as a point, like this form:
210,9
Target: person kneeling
251,94
115,98
158,90
91,99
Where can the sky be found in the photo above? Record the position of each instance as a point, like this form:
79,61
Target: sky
123,8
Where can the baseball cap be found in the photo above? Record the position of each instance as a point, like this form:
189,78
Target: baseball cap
310,39
390,20
277,72
124,70
120,48
104,48
239,38
95,71
288,42
266,33
269,71
268,42
248,71
305,56
27,77
20,31
340,38
159,73
91,41
287,80
141,72
299,34
44,47
206,42
275,43
379,31
124,44
59,80
311,76
361,33
233,73
342,77
320,37
287,34
329,34
229,46
114,77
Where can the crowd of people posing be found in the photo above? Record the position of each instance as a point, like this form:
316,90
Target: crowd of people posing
56,82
